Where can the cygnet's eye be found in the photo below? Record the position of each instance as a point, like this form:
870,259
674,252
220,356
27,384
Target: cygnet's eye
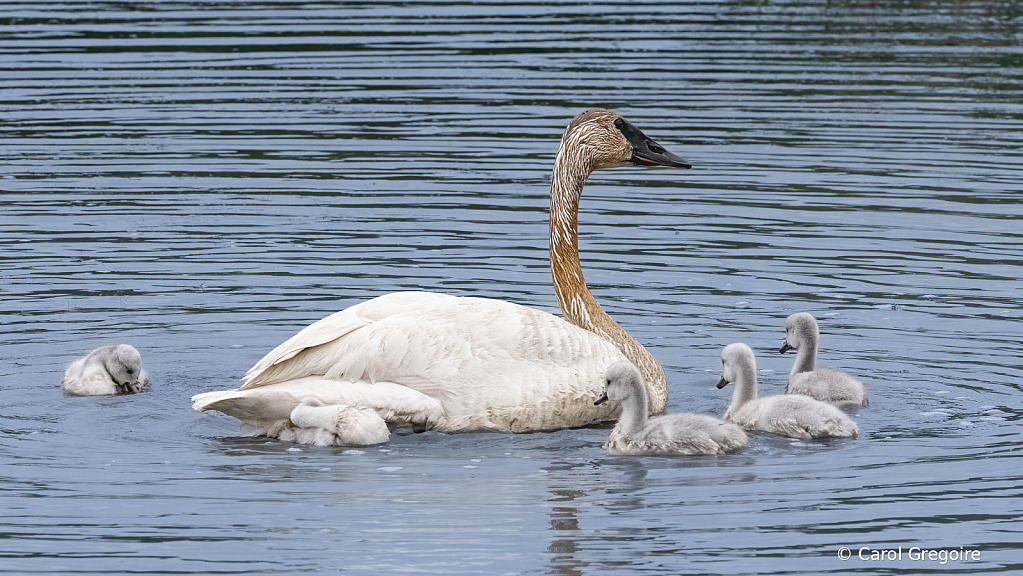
131,370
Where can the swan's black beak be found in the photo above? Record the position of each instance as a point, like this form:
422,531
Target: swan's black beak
601,400
722,383
646,152
784,348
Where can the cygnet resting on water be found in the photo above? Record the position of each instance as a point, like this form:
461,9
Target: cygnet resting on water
824,384
113,369
792,415
338,425
681,433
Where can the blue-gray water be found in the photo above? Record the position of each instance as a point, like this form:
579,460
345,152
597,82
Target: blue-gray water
201,180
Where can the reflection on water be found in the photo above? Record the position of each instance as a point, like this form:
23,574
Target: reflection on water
203,180
563,547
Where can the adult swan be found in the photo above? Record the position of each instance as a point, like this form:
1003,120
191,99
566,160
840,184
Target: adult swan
434,361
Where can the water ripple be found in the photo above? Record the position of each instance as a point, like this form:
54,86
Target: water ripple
203,179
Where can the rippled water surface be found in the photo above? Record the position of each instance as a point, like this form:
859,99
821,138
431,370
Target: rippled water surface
204,179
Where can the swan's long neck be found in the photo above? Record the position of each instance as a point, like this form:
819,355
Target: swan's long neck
745,386
806,357
634,413
571,168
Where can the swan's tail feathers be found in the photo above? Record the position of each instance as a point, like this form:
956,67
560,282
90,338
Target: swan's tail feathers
335,425
208,400
271,369
260,414
246,407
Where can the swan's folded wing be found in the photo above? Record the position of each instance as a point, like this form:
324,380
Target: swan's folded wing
787,426
699,443
331,328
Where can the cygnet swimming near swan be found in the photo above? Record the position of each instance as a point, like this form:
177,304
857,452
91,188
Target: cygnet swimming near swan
793,415
824,384
113,369
680,433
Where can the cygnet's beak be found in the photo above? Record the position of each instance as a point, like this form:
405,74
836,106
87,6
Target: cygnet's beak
722,383
784,347
133,387
601,400
646,152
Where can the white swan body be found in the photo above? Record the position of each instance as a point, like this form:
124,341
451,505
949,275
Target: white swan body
439,362
106,370
824,384
679,433
792,415
433,362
